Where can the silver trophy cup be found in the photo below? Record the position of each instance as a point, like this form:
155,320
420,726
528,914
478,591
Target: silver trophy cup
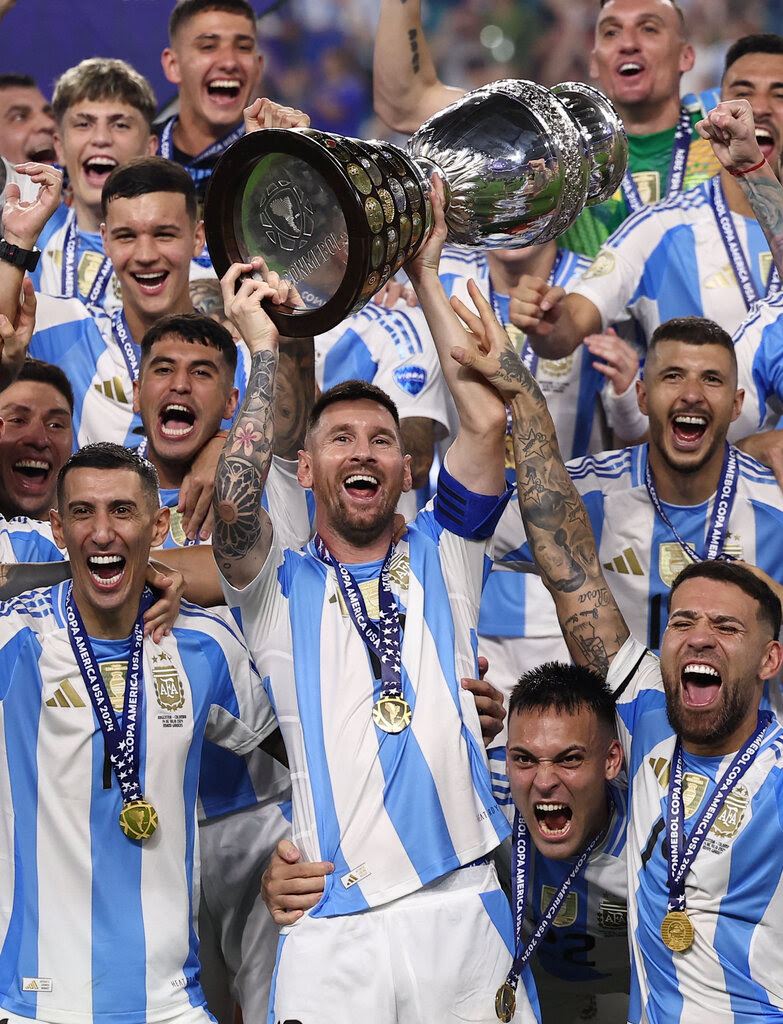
337,216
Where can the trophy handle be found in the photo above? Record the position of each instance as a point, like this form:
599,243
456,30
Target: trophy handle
604,134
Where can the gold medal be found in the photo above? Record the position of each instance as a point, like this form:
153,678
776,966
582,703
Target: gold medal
138,819
677,931
505,1002
391,714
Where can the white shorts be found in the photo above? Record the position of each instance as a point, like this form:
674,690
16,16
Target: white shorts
439,954
237,933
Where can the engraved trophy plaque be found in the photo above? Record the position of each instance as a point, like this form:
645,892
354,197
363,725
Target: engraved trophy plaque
338,216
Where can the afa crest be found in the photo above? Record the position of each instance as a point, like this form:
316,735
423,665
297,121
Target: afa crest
168,686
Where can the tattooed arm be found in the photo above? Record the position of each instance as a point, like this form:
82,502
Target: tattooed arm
555,518
731,131
243,530
406,87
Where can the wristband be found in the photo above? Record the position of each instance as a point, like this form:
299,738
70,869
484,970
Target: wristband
755,167
27,259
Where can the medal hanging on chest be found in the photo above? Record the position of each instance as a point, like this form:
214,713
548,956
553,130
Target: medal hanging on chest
391,712
138,818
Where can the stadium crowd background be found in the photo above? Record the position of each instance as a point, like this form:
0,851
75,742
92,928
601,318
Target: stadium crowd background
318,53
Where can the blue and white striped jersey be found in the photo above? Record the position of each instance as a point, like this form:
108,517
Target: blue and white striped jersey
81,341
391,348
392,812
27,540
94,926
758,345
640,554
733,890
669,260
571,386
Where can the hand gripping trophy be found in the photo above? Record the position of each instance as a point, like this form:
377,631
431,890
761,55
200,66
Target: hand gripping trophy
337,216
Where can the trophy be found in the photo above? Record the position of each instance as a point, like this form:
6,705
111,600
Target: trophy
337,216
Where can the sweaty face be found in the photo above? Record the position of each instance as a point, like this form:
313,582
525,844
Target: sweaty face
639,52
183,393
356,468
215,62
690,394
107,525
558,765
714,655
151,240
94,138
26,125
35,444
758,78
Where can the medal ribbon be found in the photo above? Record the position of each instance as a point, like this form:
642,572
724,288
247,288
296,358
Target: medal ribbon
680,856
520,871
383,642
123,337
736,254
721,510
70,288
166,145
679,160
122,747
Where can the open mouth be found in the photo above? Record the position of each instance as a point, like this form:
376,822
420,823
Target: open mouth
765,140
106,570
33,472
226,89
151,282
176,421
700,684
630,69
361,485
554,820
43,155
688,430
97,169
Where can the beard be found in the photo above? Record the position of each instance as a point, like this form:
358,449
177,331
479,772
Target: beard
708,728
358,529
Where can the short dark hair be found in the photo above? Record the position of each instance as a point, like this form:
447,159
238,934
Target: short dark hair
104,78
145,174
565,688
184,10
747,581
351,391
39,372
12,80
107,455
692,330
760,42
195,329
674,4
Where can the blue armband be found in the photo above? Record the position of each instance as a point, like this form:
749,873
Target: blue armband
469,515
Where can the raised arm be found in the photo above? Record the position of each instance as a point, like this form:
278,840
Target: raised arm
731,130
406,87
243,530
555,323
554,516
477,456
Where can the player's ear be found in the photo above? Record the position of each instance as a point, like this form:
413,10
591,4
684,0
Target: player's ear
614,760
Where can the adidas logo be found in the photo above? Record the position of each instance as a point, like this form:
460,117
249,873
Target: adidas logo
65,696
113,389
627,563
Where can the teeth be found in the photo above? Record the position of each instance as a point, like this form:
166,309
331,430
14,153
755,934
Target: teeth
698,421
361,478
225,83
177,408
105,559
31,464
702,670
150,277
551,807
762,133
630,66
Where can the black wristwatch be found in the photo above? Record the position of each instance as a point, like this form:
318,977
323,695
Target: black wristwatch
25,258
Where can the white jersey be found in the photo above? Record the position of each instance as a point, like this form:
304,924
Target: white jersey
81,341
392,812
669,260
95,926
27,540
731,974
758,344
641,555
393,349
